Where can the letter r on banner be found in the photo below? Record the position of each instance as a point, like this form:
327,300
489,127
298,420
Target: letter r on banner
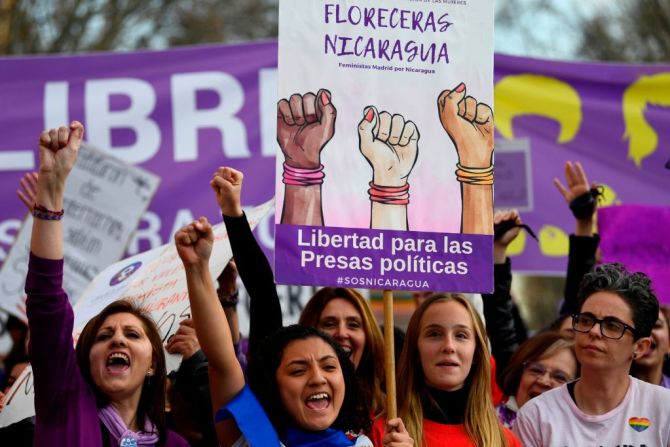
187,119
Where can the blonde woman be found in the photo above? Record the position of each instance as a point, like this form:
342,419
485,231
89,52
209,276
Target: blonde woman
444,379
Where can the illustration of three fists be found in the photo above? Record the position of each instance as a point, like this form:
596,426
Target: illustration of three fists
389,142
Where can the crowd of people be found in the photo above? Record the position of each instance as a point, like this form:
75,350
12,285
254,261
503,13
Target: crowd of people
595,377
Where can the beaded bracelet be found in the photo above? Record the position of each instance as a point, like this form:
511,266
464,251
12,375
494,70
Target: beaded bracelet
41,212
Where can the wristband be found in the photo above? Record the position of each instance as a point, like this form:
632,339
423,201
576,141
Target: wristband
230,300
302,176
41,212
389,195
474,176
585,205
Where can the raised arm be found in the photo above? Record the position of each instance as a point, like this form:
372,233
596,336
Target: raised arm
469,124
584,242
265,315
498,306
58,152
194,244
305,125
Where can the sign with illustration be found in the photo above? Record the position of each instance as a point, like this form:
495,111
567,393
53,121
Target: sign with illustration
385,145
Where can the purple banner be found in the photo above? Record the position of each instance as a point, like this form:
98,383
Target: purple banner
612,118
384,259
646,251
183,112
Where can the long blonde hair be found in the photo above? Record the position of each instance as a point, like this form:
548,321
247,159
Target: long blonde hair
480,420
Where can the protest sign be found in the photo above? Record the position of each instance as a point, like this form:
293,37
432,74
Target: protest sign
104,201
155,280
385,127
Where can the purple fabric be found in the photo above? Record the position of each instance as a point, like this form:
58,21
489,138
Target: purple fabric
65,407
665,381
119,431
637,236
599,140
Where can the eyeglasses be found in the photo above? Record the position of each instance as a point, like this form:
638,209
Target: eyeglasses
537,369
610,327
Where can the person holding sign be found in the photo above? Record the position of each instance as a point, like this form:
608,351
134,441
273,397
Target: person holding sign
444,379
111,390
302,389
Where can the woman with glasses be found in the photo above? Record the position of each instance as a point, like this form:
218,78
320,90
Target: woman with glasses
605,406
541,363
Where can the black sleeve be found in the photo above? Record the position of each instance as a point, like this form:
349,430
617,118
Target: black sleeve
581,259
498,311
191,401
265,315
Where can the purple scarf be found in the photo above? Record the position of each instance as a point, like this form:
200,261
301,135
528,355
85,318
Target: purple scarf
125,437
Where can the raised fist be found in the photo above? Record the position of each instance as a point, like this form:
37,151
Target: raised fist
194,242
390,144
469,125
305,124
58,151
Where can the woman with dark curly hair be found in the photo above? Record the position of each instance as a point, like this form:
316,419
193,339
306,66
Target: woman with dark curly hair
302,389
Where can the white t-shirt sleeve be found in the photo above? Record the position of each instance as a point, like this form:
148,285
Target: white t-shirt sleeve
526,426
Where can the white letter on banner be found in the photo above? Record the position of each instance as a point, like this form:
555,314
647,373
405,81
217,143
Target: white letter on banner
56,104
148,233
100,120
267,104
187,119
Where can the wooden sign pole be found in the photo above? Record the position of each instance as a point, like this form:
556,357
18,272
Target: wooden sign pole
389,356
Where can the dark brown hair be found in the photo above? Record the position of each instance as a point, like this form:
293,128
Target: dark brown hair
152,398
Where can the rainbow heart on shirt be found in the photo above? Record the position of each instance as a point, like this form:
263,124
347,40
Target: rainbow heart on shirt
639,424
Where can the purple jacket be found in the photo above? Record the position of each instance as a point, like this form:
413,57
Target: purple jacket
65,408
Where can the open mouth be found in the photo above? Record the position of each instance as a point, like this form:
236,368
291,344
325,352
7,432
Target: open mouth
117,362
318,401
347,350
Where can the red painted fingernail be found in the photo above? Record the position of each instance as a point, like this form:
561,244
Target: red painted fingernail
369,115
325,99
460,88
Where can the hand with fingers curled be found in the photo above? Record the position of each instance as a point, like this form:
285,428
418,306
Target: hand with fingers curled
29,194
185,341
469,125
396,434
390,144
509,219
227,186
305,124
58,150
194,243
